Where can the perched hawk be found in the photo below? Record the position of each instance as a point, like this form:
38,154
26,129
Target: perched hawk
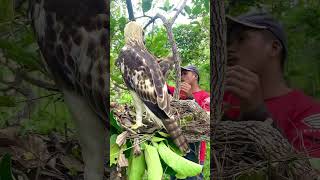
143,77
73,36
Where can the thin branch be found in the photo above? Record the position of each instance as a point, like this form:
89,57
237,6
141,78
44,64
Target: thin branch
150,17
130,10
28,108
40,83
175,54
178,12
119,86
40,97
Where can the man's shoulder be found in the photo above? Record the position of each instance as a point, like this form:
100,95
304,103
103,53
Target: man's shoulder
303,101
202,93
304,105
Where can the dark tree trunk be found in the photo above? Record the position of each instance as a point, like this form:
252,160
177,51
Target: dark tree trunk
218,66
218,57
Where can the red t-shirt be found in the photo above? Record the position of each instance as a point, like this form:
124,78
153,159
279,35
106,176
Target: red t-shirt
295,114
202,98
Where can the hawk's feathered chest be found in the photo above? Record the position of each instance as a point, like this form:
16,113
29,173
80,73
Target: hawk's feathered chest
73,36
142,74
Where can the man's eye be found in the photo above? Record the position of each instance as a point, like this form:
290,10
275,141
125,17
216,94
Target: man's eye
241,38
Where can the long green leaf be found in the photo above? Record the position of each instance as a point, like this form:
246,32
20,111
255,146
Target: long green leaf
5,168
114,122
6,10
114,149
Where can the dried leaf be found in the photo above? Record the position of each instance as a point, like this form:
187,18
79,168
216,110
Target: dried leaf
52,162
72,163
136,147
121,138
9,136
31,152
122,160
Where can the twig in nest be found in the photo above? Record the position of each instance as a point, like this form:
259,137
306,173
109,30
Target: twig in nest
16,171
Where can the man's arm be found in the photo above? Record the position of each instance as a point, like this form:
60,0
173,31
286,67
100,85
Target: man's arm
246,86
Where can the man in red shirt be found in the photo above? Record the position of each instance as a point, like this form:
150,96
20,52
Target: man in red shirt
190,89
255,85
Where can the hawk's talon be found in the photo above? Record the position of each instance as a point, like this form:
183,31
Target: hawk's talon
137,126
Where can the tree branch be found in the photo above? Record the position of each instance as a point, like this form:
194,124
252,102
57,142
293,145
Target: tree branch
39,83
130,10
168,25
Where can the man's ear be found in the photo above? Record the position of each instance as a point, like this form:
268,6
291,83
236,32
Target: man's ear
276,48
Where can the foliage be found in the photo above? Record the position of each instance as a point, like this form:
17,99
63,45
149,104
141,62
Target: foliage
5,168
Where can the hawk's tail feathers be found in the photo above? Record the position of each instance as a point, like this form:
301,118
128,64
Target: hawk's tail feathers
175,132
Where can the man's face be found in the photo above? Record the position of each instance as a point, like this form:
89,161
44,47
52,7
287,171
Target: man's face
248,48
188,77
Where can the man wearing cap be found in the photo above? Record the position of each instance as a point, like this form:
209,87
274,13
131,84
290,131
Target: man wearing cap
255,86
190,89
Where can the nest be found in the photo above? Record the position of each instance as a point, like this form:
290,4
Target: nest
193,120
252,147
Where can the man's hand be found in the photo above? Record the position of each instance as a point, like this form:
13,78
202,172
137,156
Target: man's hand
246,86
186,88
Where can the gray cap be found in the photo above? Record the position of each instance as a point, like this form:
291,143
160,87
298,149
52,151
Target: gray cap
192,69
261,20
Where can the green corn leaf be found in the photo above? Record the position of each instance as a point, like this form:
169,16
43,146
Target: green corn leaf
5,168
182,166
114,150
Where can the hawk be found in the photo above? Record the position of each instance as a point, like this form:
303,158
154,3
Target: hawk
144,79
72,36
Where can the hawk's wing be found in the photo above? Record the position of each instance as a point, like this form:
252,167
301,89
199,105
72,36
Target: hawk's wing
73,41
142,74
166,64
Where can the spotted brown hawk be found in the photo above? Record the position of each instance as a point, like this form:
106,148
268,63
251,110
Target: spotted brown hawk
144,79
73,36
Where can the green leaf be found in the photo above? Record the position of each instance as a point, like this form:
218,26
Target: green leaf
315,163
114,150
7,101
122,23
157,139
5,168
146,5
20,54
207,5
164,134
6,10
114,122
153,162
137,166
183,167
187,9
196,10
166,6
